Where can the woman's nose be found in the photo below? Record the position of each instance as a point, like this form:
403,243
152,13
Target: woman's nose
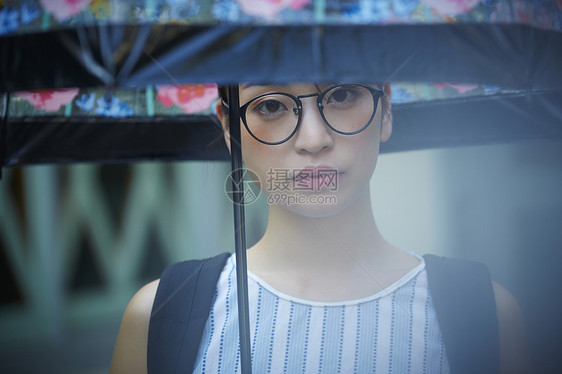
313,135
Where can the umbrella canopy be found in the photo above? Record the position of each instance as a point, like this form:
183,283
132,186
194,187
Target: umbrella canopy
136,62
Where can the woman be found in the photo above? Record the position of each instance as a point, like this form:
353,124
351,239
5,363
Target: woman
327,292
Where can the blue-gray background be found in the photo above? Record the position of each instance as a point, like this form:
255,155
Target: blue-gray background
76,242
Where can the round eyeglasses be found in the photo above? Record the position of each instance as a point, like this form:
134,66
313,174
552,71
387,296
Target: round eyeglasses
273,118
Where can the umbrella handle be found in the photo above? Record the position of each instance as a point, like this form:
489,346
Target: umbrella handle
239,229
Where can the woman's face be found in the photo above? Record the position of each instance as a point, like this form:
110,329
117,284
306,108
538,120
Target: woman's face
317,172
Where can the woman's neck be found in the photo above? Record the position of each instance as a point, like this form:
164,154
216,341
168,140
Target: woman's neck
339,257
338,242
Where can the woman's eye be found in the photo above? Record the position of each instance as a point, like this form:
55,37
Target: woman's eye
341,96
270,107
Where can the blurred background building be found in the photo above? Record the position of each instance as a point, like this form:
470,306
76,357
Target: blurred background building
76,242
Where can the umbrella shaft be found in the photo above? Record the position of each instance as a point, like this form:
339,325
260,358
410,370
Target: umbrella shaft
239,232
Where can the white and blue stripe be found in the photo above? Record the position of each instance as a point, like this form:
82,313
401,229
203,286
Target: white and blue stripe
394,331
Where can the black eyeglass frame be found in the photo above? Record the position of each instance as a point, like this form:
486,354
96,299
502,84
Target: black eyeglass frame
377,93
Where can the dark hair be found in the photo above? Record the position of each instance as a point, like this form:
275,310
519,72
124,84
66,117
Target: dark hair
223,97
223,93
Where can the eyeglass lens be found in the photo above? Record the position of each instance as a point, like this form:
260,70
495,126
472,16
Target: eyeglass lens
274,117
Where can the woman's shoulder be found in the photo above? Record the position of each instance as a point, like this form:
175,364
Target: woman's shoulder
141,303
177,280
129,355
513,342
140,306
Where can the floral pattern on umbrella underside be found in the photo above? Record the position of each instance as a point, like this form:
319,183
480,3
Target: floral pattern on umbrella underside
190,98
193,99
169,100
40,15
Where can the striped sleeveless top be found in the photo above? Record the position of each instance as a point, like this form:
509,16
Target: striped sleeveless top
393,331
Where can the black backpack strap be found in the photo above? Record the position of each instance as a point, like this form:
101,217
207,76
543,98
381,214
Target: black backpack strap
465,305
179,313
